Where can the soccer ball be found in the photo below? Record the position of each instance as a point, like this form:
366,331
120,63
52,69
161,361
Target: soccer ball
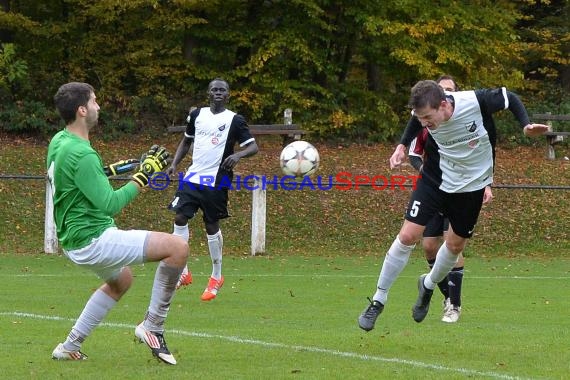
299,159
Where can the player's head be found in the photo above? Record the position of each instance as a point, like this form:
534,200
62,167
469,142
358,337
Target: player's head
75,97
426,93
427,99
218,91
447,82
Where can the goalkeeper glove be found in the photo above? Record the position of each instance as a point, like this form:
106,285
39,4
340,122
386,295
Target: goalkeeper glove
152,162
121,167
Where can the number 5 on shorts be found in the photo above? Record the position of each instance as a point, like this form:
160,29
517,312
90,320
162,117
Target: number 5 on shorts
415,208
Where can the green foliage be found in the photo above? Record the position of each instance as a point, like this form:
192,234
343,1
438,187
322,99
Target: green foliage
28,116
547,54
13,71
116,123
343,67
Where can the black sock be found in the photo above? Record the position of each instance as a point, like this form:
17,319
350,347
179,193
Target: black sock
456,280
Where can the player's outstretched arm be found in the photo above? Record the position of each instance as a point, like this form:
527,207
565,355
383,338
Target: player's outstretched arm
519,111
152,162
121,167
533,130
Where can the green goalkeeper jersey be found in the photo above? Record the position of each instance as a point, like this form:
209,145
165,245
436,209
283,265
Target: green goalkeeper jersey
84,200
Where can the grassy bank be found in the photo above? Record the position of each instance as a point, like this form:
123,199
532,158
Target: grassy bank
353,222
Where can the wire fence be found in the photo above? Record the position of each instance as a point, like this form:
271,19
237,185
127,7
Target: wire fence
521,215
332,183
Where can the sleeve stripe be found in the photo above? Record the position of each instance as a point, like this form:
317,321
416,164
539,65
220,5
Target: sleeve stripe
411,150
505,96
247,142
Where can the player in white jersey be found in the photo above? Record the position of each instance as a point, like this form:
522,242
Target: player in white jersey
212,132
453,180
436,228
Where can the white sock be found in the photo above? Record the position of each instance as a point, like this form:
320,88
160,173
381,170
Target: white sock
394,262
93,313
444,262
181,231
163,288
215,244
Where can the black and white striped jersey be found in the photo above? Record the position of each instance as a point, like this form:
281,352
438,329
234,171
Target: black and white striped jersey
463,157
215,136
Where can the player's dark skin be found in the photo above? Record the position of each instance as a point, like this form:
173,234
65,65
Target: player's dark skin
218,95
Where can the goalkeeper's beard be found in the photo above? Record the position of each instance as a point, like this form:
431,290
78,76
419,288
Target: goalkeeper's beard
92,119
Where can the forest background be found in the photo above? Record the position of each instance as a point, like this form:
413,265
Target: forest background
344,67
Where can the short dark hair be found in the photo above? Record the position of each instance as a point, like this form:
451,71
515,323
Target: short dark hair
218,80
69,97
426,93
448,77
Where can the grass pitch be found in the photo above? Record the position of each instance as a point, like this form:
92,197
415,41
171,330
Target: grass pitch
294,317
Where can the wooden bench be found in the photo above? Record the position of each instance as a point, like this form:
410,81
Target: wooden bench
552,137
289,132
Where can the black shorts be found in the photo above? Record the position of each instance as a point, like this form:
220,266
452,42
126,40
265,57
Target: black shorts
436,226
462,209
212,201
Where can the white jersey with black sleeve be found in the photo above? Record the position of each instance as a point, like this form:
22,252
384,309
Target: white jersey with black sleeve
466,142
215,136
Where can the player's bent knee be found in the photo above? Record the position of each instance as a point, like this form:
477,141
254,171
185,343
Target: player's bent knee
168,247
178,252
407,238
456,247
455,243
410,233
182,249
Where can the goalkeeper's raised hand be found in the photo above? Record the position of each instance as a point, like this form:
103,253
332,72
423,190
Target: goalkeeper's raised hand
121,167
152,162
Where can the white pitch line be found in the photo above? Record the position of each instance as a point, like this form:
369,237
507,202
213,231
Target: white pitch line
298,348
303,276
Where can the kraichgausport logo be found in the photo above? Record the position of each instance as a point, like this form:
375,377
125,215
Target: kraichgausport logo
342,181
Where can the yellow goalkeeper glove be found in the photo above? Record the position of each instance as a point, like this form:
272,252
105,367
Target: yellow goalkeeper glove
152,162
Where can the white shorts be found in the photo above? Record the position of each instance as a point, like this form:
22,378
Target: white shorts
110,252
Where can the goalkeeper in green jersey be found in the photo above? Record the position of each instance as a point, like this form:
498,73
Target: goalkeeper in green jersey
84,206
